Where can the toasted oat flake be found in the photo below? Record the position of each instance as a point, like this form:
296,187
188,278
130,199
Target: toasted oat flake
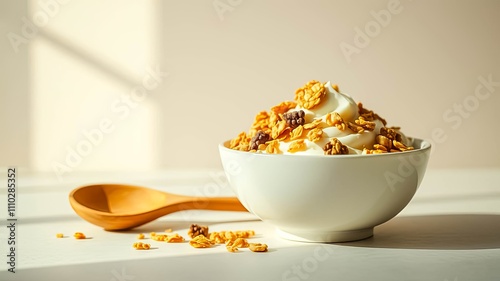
361,125
312,125
224,236
274,118
373,151
238,242
229,235
175,238
384,141
261,121
234,244
273,147
369,114
285,135
241,142
159,237
245,233
389,140
296,133
367,125
278,129
310,95
298,145
236,141
329,119
335,120
201,241
355,128
283,107
232,249
217,238
336,87
257,247
141,246
261,117
379,147
315,134
79,235
401,146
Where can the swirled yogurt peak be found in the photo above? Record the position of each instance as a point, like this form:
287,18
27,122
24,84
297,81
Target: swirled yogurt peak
320,121
334,101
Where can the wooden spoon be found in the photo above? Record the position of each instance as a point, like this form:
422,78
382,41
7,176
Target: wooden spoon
120,207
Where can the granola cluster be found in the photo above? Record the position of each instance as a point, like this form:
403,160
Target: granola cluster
287,123
79,235
195,230
335,147
233,240
201,241
389,140
141,246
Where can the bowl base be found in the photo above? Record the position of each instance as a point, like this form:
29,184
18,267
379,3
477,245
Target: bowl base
327,236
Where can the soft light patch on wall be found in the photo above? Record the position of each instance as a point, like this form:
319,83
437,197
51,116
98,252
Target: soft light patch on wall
92,87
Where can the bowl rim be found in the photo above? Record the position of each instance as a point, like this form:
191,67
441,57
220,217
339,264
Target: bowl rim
423,146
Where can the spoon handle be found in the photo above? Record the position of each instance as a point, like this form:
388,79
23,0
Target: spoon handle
213,203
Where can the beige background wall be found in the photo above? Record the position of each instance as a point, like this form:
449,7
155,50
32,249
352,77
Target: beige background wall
134,85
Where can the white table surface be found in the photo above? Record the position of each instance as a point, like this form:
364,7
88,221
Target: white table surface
450,231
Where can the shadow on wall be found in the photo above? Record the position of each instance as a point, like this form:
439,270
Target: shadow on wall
436,232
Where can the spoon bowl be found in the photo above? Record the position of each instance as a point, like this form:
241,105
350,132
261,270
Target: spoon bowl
121,207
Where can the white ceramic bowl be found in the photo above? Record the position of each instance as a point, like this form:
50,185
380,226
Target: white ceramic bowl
325,198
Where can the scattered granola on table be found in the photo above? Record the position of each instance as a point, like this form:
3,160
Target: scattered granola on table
79,235
233,244
233,240
141,246
201,241
320,121
174,238
257,247
200,238
222,237
170,238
